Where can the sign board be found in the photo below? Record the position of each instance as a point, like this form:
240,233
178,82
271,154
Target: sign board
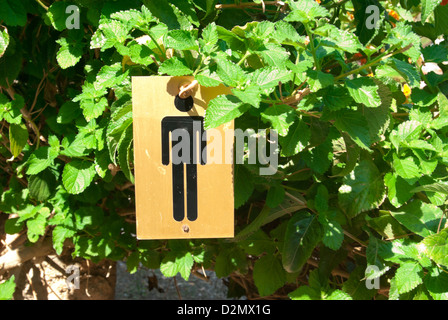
179,192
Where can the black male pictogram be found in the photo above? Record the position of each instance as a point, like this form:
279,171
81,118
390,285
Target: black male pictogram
190,153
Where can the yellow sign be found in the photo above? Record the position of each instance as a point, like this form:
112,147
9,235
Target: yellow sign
181,190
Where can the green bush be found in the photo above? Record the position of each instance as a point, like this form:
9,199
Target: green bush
363,124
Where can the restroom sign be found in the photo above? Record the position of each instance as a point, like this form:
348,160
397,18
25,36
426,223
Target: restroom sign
181,190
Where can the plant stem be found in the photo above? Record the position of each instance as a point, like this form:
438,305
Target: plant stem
246,55
382,57
313,48
42,5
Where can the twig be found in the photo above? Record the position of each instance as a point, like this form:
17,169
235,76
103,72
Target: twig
177,288
250,4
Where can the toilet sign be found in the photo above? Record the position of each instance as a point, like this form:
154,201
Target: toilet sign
181,191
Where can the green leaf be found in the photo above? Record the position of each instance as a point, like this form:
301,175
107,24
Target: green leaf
230,73
175,67
373,259
337,98
364,90
356,287
406,131
408,276
42,185
333,235
398,190
304,293
281,118
78,175
319,158
428,7
441,19
124,149
13,13
274,55
69,53
420,217
60,234
296,140
302,235
436,281
209,37
181,40
37,224
244,186
250,95
275,196
441,187
208,78
7,288
362,15
57,16
435,247
406,168
267,78
41,159
306,11
18,136
319,80
174,263
355,124
223,109
268,275
363,189
4,41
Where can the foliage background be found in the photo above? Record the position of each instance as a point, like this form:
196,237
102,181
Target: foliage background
362,116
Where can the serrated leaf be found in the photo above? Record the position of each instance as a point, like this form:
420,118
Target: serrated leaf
125,153
406,168
7,288
420,217
363,189
408,276
4,41
175,263
398,190
230,73
60,234
268,275
181,40
250,95
275,196
333,235
428,7
244,186
175,67
306,11
435,247
356,125
69,53
18,136
223,109
13,13
436,281
208,78
364,90
296,140
269,77
78,175
281,117
302,235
